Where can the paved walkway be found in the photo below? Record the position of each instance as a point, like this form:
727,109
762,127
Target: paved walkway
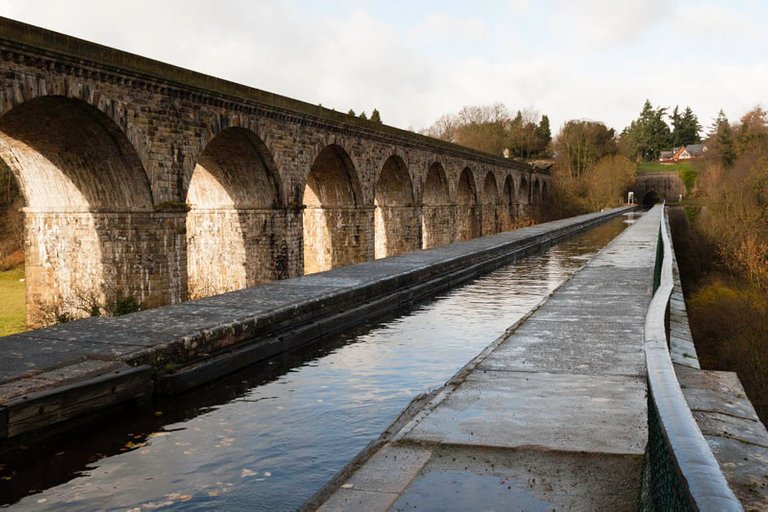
552,417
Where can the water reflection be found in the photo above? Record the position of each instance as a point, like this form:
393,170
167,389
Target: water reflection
270,436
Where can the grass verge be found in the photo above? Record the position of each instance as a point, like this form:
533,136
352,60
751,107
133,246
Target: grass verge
12,301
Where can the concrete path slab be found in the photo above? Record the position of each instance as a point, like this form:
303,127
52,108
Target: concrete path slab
552,417
576,413
458,478
555,347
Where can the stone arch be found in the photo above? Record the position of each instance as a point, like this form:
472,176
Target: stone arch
337,229
467,225
523,192
236,230
114,112
509,201
88,209
396,221
490,203
437,212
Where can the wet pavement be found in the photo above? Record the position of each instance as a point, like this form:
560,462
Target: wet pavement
554,416
268,437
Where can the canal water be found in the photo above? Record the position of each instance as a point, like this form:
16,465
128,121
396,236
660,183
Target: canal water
269,437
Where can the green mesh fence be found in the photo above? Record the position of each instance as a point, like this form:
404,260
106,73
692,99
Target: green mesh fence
659,260
663,487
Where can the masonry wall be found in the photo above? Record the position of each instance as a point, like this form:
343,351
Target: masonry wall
165,119
438,225
75,260
230,249
398,230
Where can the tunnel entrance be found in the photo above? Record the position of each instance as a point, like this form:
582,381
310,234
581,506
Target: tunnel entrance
396,222
652,197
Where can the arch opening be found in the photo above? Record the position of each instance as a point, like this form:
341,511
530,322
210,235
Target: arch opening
336,231
467,225
524,192
236,230
88,206
490,220
13,296
536,193
652,197
508,213
436,211
396,227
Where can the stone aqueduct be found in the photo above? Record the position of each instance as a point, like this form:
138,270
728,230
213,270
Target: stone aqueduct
147,180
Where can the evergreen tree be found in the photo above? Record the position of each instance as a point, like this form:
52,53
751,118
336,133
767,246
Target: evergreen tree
677,128
375,116
543,135
351,113
648,135
720,139
690,128
363,116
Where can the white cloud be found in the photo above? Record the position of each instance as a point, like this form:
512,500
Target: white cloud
344,56
596,23
707,20
519,6
443,28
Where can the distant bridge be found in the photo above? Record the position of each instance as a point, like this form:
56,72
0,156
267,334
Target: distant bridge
146,180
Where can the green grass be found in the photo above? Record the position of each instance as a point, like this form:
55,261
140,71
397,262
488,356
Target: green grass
656,167
685,169
12,302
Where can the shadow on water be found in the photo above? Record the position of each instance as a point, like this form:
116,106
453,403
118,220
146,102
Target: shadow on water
269,436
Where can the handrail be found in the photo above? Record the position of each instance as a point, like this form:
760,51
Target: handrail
697,470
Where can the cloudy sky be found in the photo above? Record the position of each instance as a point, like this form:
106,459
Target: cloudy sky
416,60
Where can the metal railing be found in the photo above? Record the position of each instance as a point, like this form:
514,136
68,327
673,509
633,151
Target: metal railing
681,472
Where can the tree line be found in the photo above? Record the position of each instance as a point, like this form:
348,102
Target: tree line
594,165
649,134
493,129
725,248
